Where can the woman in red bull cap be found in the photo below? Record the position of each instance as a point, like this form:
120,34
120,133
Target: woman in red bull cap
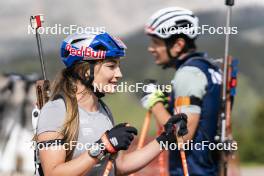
76,129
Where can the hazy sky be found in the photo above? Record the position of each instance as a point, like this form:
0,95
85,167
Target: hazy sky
118,16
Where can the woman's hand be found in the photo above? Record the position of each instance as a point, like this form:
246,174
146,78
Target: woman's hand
118,138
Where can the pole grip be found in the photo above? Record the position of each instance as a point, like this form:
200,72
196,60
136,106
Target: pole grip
36,21
230,2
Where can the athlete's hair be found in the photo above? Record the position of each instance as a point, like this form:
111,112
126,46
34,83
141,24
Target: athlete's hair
189,43
65,85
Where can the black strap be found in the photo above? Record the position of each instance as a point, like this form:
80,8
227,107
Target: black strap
91,76
109,114
195,101
40,170
201,57
58,96
107,110
84,81
89,83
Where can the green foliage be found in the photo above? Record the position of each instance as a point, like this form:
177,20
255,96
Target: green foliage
258,134
251,139
126,108
245,102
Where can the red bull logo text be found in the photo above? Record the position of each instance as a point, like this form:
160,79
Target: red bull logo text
86,52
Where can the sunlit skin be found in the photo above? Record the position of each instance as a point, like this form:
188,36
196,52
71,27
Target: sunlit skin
158,49
107,75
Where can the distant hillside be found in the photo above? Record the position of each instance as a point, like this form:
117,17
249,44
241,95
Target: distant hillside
139,64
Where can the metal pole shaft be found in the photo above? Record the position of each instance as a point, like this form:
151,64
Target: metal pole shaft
229,8
43,69
229,4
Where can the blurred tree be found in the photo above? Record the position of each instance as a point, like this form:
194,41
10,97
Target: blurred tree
251,139
258,134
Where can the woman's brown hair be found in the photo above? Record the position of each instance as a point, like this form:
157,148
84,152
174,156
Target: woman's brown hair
65,85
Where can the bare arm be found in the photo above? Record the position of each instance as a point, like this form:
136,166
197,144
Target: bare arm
160,113
53,161
136,160
192,123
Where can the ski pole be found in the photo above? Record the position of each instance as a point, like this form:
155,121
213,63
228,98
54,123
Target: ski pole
161,158
109,165
110,162
229,4
42,88
183,157
144,131
142,138
225,111
182,152
36,23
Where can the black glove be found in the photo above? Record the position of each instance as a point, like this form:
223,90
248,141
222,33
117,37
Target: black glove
169,134
179,119
118,138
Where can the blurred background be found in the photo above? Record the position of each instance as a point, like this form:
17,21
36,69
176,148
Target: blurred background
18,54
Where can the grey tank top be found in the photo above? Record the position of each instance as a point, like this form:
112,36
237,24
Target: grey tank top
92,126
